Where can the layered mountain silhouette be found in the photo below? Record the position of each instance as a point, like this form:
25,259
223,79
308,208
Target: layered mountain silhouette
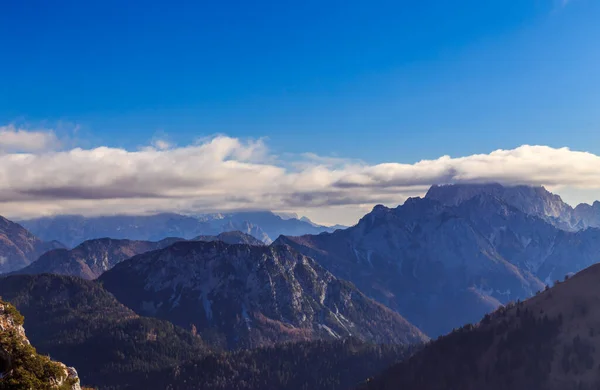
549,342
433,263
246,296
72,230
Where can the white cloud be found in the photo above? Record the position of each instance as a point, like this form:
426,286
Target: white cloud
161,144
13,139
224,173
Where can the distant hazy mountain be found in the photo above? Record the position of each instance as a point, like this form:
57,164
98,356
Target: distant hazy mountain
73,230
445,264
549,342
18,247
271,224
91,258
245,296
78,322
589,214
235,237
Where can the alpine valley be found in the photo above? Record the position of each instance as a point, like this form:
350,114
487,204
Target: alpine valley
259,300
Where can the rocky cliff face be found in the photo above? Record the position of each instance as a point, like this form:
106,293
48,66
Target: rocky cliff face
20,365
18,247
90,259
248,296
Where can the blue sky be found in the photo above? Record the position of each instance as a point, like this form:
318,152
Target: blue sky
378,81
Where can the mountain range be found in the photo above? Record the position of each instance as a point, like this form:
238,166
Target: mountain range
223,293
72,230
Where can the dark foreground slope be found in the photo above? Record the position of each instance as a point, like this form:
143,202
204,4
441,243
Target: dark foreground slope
549,342
315,365
79,323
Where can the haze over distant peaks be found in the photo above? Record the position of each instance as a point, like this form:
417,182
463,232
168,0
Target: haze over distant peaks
263,225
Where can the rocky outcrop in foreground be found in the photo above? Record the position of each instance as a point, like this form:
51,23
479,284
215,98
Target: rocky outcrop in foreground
21,367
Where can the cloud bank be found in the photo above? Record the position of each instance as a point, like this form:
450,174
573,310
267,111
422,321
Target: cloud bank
13,139
224,173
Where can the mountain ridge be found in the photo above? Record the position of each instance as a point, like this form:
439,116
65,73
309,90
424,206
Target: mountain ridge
250,295
91,258
75,229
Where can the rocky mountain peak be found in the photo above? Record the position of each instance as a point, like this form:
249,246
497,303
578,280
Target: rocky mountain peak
533,200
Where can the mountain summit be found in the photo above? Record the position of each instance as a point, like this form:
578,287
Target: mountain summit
532,200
